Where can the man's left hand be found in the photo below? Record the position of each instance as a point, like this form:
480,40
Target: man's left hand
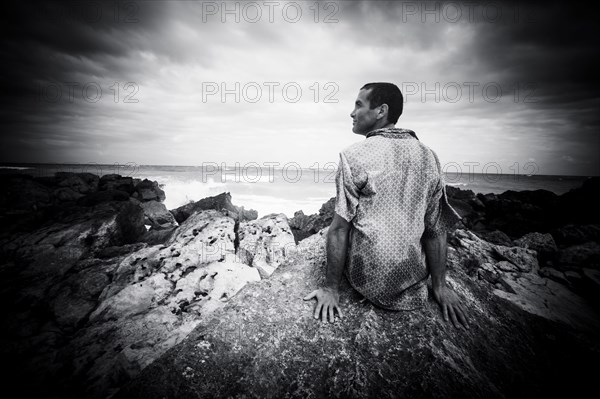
450,304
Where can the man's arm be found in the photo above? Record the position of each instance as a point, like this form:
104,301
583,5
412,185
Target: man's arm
337,246
436,250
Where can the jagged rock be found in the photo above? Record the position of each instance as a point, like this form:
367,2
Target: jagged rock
304,226
260,343
157,215
524,259
147,190
577,256
516,271
139,305
219,202
543,244
266,242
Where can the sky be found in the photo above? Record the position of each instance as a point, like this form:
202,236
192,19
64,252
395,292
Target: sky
490,87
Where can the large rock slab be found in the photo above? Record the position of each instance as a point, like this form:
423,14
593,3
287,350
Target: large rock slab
265,343
127,311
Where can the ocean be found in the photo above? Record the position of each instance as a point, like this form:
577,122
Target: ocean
275,189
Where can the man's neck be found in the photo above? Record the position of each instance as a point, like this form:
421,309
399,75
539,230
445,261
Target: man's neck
382,126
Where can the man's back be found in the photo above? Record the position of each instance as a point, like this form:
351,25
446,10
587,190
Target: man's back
390,187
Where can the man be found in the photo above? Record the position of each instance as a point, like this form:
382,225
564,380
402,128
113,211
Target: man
392,214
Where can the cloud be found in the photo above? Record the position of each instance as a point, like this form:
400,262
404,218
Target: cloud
542,58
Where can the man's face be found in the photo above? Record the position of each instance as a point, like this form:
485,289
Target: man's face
364,118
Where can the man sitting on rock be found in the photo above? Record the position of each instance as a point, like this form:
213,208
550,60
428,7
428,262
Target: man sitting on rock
391,212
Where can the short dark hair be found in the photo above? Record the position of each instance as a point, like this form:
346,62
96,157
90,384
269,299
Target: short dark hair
386,93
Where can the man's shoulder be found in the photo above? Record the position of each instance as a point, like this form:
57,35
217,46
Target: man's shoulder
357,148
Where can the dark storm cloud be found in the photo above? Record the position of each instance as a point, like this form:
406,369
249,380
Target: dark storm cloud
168,49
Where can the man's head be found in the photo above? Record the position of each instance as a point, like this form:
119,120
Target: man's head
377,105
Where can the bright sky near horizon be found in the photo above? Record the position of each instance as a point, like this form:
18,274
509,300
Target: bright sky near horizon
491,87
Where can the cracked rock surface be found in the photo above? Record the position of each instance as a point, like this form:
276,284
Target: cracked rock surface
265,343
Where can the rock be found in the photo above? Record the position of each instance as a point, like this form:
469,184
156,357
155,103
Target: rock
157,215
156,297
260,343
304,226
220,202
66,194
267,242
524,259
23,192
70,309
543,244
83,183
134,299
576,234
117,182
591,285
103,196
550,300
580,205
578,256
554,274
518,213
495,237
208,288
149,191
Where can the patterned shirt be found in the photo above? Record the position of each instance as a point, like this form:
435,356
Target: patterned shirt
390,187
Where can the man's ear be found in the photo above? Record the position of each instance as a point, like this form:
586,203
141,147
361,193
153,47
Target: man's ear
383,111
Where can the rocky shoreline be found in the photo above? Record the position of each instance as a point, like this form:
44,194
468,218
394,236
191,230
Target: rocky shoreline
107,292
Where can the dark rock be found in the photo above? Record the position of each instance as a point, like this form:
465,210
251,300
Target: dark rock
543,244
457,193
117,182
518,213
304,226
22,192
83,183
115,251
495,237
576,234
554,274
580,205
578,256
219,202
157,216
591,285
147,190
103,196
65,194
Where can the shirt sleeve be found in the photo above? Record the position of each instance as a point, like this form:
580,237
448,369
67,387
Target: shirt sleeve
439,216
347,194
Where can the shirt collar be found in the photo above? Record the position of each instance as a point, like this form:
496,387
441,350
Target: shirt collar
392,132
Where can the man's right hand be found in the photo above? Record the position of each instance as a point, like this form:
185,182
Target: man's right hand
327,302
